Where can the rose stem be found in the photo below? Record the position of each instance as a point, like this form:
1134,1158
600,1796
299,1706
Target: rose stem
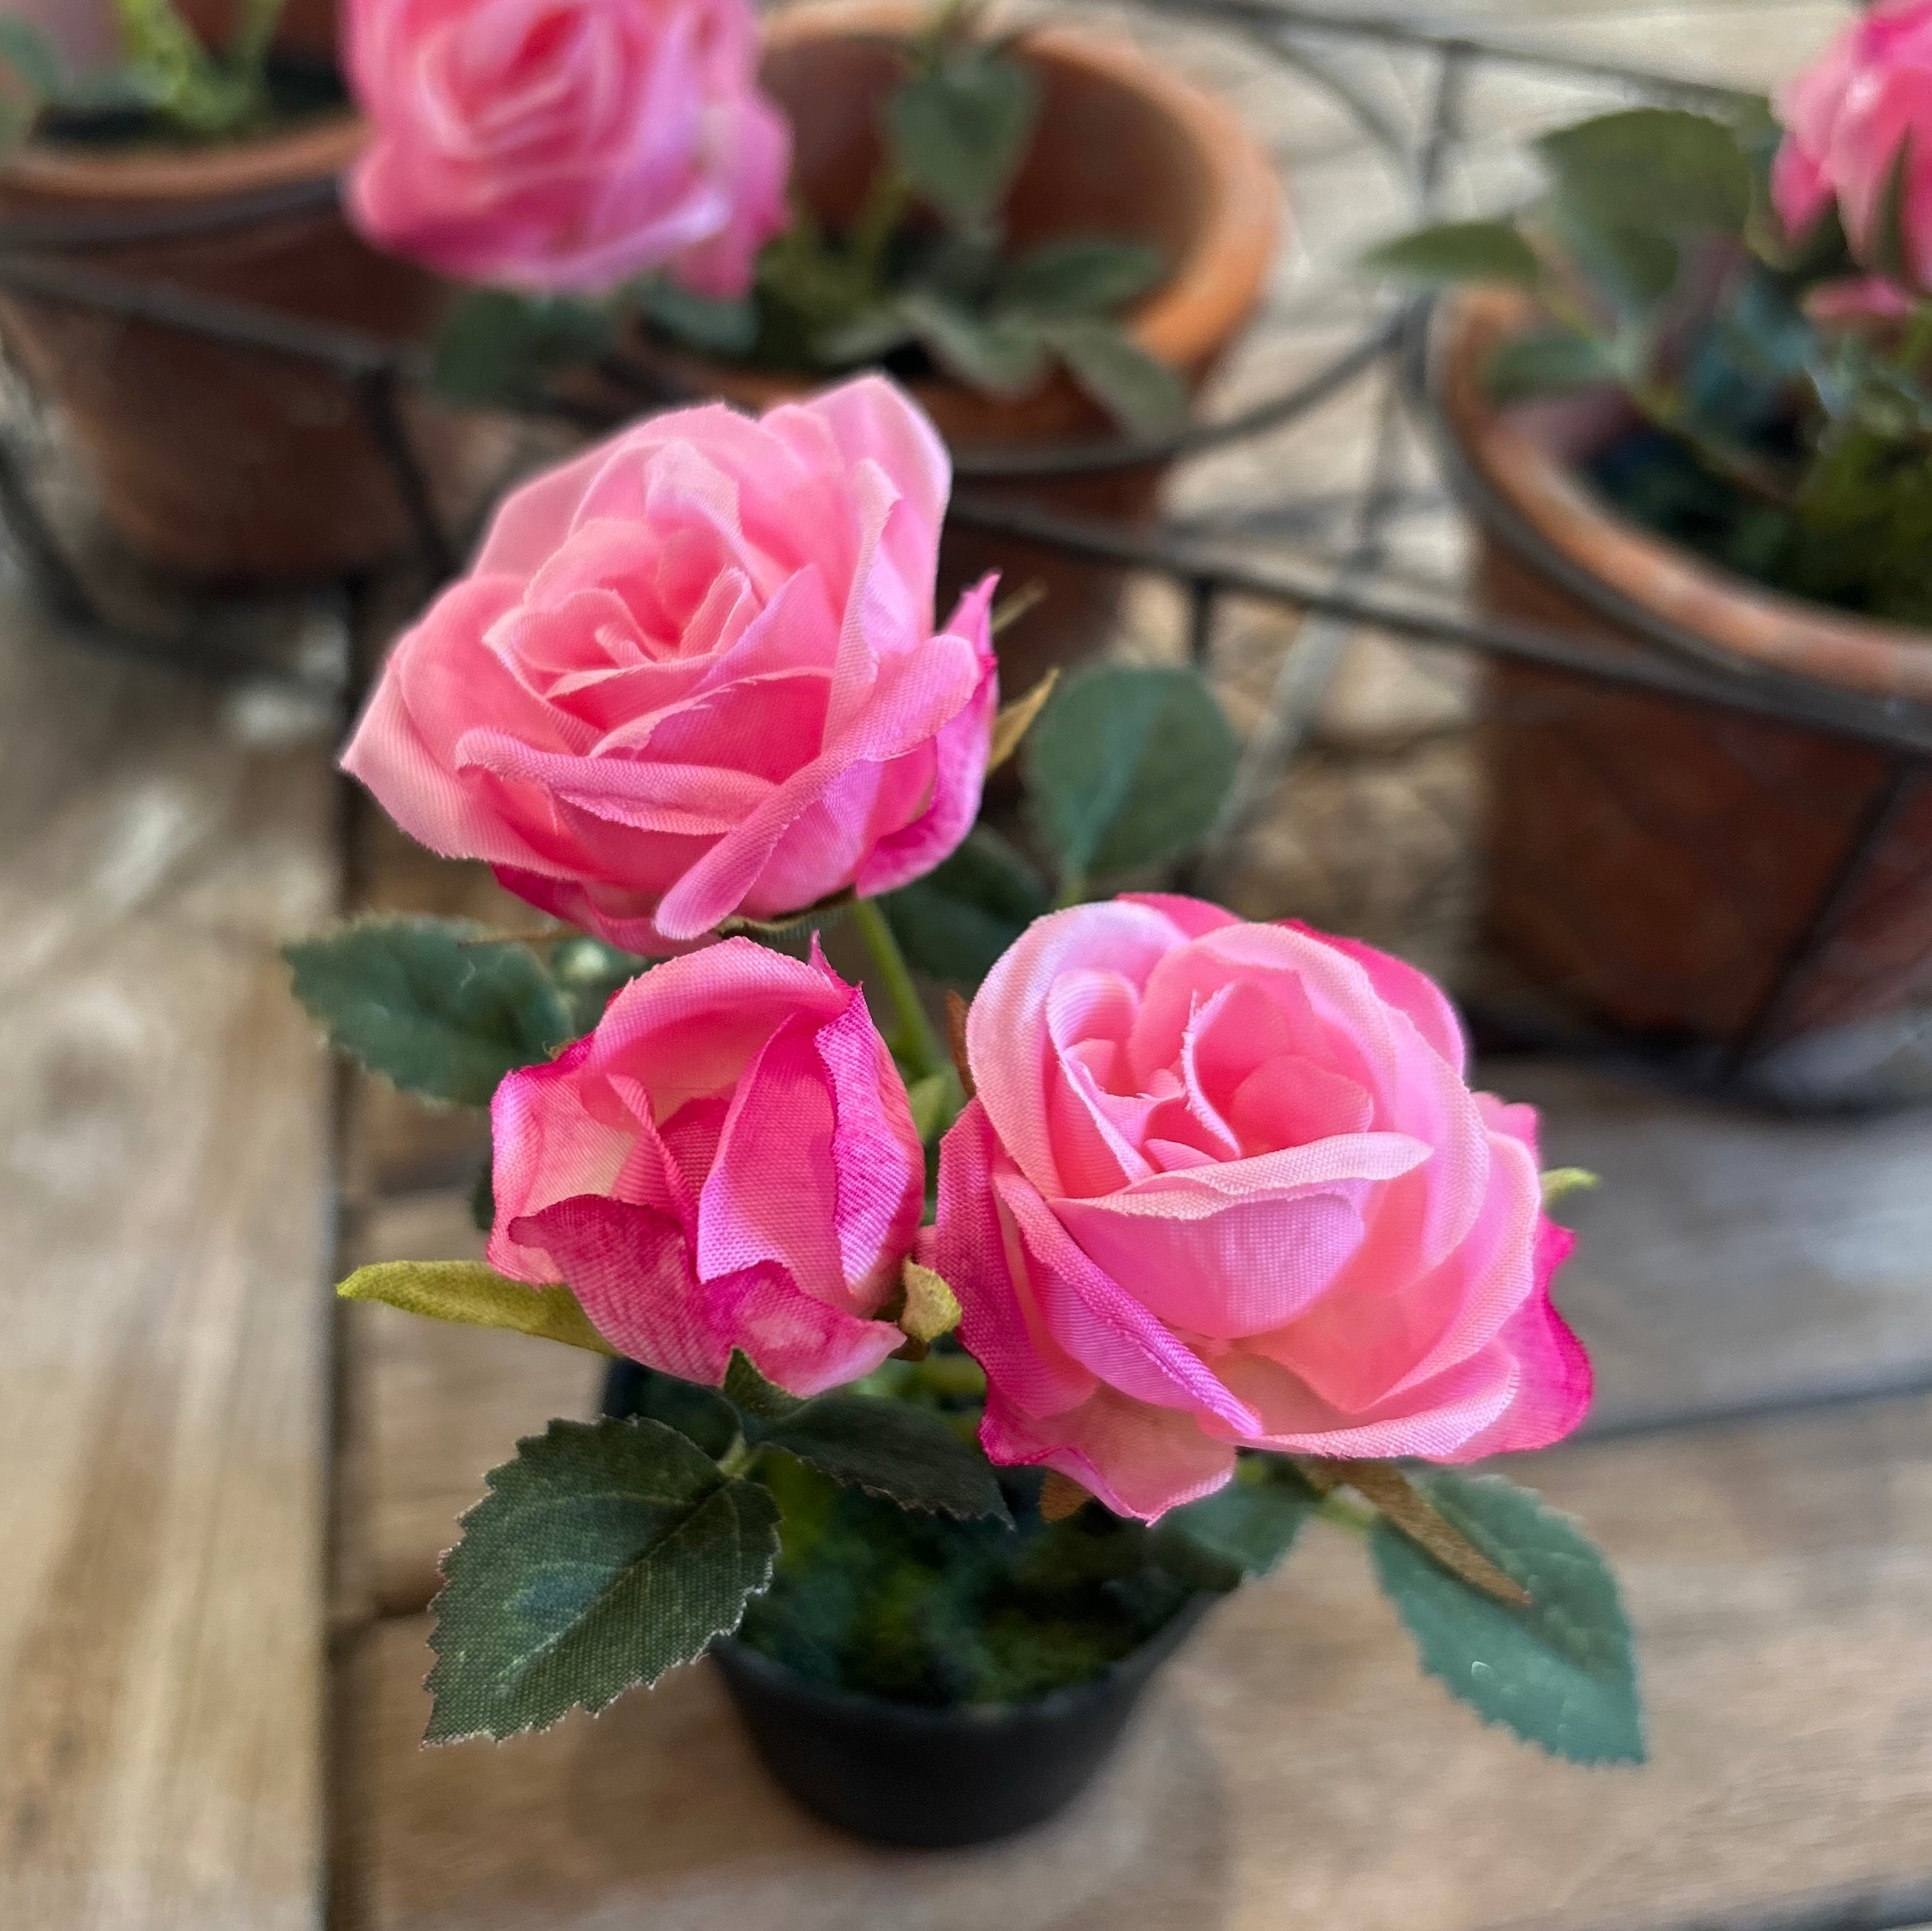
918,1042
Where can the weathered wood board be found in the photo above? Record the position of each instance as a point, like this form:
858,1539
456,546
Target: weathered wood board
163,1190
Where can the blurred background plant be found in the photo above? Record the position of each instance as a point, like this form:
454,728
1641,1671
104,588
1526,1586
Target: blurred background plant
1775,372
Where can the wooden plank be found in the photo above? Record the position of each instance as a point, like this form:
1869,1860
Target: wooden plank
431,1407
1731,1256
1293,1770
162,1181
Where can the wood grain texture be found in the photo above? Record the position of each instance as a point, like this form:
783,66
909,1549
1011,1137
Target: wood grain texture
1732,1257
163,1187
1293,1770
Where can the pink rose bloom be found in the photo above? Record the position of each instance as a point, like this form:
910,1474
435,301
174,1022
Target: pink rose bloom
1224,1185
693,674
728,1161
567,144
1846,119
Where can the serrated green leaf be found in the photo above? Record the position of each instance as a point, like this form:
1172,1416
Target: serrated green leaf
1128,766
34,59
605,1554
495,346
1145,397
1081,277
1561,1672
717,327
1454,252
1546,361
431,1004
1637,268
1240,1531
960,131
954,923
467,1291
1661,168
1004,356
864,338
905,1454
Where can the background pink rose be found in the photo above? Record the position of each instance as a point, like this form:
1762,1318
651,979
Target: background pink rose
1846,119
567,145
1224,1184
693,674
728,1161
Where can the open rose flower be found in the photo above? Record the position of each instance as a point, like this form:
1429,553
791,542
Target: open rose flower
728,1161
567,145
1850,120
693,674
1224,1184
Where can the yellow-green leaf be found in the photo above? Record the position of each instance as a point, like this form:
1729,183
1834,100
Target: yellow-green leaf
468,1292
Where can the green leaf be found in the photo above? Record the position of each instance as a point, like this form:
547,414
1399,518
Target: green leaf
700,1414
1144,396
1002,356
960,131
717,327
430,1004
1128,766
36,62
1660,168
605,1554
954,923
1546,361
1637,268
1240,1531
495,346
466,1291
1560,1673
1459,251
861,339
1077,277
905,1454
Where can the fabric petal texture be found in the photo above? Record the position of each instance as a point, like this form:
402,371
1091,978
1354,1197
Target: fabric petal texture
695,676
1224,1185
728,1160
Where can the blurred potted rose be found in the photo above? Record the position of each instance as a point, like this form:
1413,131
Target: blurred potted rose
1219,1237
1050,236
220,462
1692,387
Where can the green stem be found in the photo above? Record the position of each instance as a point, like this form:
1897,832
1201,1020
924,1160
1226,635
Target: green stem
1073,889
1346,1514
737,1458
917,1042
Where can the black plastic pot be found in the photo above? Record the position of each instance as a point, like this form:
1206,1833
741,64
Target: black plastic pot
933,1778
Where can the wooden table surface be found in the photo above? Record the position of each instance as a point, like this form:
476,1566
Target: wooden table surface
226,1494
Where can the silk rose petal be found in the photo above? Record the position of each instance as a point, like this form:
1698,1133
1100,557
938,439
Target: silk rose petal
567,144
1224,1185
728,1161
1860,114
693,676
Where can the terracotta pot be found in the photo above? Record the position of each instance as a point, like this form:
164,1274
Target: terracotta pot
1127,150
1663,863
219,462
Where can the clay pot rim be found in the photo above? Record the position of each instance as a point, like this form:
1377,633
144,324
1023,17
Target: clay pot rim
1616,562
315,150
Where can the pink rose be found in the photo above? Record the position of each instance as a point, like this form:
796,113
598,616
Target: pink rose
693,674
1846,117
728,1161
567,145
1224,1184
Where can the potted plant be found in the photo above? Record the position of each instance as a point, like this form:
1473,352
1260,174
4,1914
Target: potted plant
210,170
1686,389
953,1382
1052,237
